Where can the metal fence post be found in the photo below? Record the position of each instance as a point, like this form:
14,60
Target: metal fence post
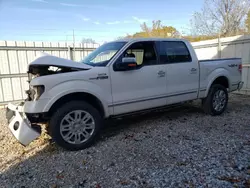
70,53
219,47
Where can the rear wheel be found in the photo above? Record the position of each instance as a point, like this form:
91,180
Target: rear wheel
216,101
75,126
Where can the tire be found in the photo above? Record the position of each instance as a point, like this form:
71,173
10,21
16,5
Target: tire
63,125
208,102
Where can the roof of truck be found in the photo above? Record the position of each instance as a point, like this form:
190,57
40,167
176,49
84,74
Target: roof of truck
149,39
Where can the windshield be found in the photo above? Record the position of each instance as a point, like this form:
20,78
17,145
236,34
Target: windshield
102,55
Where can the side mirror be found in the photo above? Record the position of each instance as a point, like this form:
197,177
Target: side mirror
128,63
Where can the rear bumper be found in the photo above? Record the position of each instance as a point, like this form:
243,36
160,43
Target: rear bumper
20,126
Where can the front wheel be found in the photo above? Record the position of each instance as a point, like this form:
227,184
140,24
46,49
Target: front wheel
216,101
75,125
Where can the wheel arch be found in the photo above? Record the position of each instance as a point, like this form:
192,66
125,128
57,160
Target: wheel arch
221,80
82,96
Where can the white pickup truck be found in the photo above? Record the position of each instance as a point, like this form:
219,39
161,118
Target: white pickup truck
118,78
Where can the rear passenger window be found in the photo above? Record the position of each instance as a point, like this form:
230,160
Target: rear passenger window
174,52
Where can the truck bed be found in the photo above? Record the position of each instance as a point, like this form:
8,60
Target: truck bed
223,59
212,68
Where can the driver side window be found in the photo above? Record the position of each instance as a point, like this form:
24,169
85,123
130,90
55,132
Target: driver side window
144,52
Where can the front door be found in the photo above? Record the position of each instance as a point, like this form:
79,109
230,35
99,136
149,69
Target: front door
143,87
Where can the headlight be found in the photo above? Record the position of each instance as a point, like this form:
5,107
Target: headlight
38,91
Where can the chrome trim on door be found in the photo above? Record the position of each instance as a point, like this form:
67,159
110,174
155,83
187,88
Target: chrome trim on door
152,98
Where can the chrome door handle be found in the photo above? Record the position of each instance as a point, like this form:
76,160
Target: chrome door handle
193,69
161,73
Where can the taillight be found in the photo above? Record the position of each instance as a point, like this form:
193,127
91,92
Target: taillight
240,68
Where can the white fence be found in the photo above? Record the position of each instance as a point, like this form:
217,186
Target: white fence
15,56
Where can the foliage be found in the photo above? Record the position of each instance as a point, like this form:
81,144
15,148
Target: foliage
199,38
223,17
218,18
157,30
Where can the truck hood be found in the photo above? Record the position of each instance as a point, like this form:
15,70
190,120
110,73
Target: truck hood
46,64
44,59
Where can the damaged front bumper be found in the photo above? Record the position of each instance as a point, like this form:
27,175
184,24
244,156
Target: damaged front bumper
20,126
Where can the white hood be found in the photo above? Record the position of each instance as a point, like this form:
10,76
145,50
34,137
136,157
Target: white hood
46,59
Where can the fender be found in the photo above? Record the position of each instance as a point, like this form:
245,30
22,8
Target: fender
74,86
216,74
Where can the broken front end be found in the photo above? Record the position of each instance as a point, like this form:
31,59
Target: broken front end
23,118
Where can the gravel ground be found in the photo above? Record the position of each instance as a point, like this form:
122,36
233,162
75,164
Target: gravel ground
182,147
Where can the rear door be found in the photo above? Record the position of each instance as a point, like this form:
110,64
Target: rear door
182,72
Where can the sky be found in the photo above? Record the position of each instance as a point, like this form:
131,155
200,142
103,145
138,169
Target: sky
101,20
